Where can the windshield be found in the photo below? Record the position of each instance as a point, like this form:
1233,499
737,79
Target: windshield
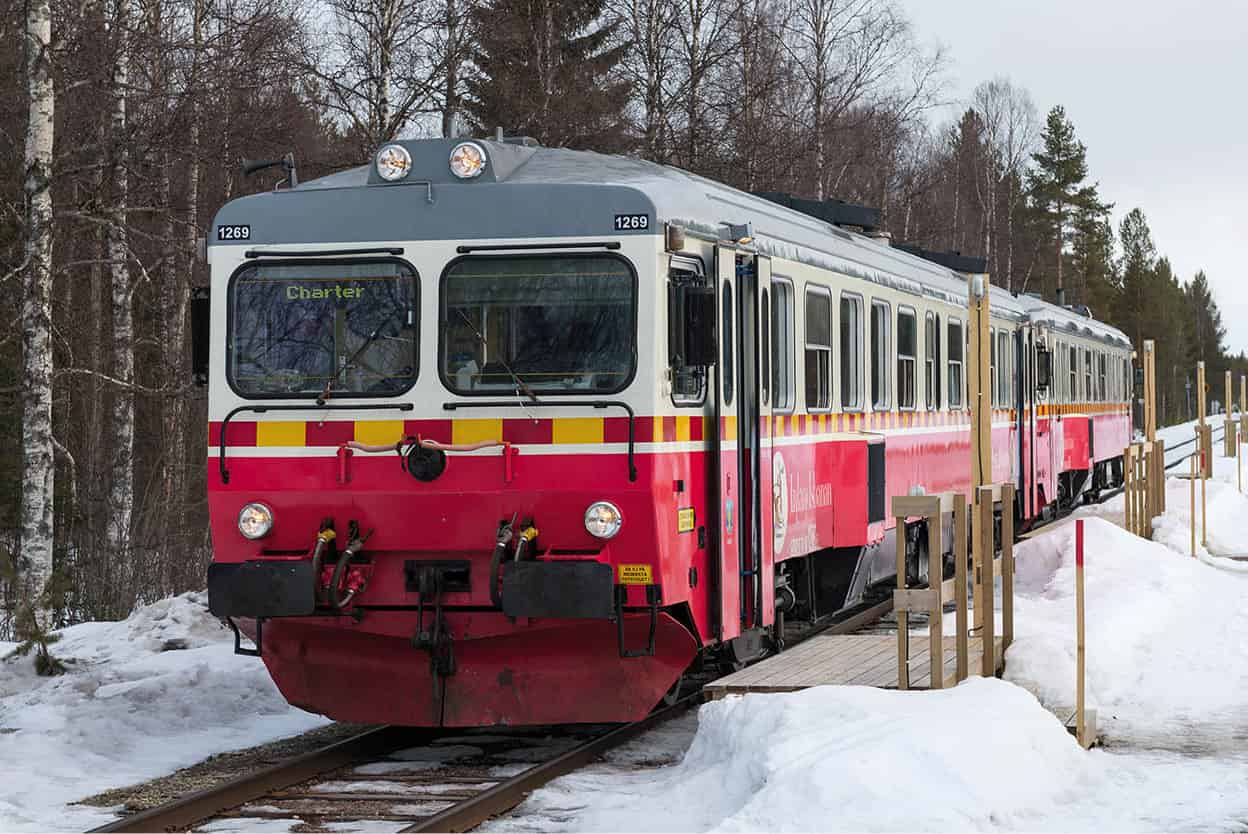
296,329
559,323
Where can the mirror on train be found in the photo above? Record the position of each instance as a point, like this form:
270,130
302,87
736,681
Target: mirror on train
1044,368
699,316
200,308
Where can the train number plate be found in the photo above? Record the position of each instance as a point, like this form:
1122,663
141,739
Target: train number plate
636,575
235,232
632,222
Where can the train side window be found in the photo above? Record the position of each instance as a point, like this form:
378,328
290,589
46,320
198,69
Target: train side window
931,359
851,352
1087,375
1004,370
907,347
726,362
818,349
992,366
688,381
955,363
1128,388
782,345
881,348
1102,391
1072,373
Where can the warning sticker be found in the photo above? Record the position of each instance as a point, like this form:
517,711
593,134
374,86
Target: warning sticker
636,575
685,520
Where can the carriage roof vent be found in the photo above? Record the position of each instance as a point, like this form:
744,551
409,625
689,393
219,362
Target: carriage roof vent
836,212
950,260
1080,310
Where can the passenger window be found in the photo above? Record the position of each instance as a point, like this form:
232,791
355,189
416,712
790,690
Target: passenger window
881,364
1005,376
931,359
782,345
764,373
1072,374
726,362
818,349
688,381
992,365
1087,375
955,363
851,352
907,345
1100,372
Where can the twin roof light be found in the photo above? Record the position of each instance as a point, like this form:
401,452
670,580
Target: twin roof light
467,160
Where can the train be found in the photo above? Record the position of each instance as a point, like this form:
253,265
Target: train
502,434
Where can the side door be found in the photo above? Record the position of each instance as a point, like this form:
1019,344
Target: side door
763,550
726,483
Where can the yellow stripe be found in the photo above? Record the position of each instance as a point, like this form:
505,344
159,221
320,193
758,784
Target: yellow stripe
474,431
730,428
579,429
682,428
658,428
378,432
281,433
779,425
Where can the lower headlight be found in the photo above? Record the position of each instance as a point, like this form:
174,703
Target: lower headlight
255,521
603,519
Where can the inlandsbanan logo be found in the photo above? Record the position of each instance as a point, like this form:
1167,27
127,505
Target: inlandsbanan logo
779,501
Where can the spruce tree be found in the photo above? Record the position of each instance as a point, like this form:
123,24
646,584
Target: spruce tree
546,69
1205,320
1058,192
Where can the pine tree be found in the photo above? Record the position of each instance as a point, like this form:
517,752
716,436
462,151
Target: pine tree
1139,257
546,70
1205,320
1057,186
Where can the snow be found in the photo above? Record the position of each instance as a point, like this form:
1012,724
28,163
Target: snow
143,697
1167,667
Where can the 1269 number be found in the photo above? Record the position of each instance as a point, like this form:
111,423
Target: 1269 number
631,222
242,232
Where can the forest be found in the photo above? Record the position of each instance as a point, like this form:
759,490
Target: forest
123,123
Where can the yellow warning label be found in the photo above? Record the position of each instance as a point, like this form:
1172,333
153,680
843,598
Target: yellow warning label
685,520
636,575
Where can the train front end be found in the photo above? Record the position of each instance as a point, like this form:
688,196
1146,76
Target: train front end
429,499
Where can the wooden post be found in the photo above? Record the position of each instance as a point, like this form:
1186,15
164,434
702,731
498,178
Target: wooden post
1204,476
1081,731
1195,475
1201,393
1150,393
1007,566
903,618
1228,433
978,369
1128,474
936,617
959,581
987,580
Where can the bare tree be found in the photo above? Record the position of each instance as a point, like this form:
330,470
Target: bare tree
1011,128
650,27
38,470
374,74
705,40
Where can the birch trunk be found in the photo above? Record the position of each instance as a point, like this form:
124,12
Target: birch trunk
121,470
38,466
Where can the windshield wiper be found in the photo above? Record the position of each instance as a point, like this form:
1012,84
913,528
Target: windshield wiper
372,337
521,388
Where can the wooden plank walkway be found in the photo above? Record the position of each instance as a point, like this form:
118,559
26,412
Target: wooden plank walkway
846,659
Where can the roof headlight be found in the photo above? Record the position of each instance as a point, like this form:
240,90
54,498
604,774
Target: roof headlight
467,160
603,520
393,163
255,521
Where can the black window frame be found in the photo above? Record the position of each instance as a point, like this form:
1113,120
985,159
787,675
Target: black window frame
784,307
511,256
884,404
952,323
336,395
932,336
857,369
698,267
829,349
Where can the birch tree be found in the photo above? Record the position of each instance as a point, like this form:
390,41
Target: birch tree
121,429
1010,131
38,471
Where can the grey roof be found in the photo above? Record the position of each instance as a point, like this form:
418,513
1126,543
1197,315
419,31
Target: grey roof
529,191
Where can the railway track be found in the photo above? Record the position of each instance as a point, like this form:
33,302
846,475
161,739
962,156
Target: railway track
415,779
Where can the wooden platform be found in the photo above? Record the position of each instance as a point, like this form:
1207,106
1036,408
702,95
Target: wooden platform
857,659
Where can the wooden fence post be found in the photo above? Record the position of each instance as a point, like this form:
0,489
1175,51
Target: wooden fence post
903,617
1007,566
1083,732
1195,475
960,533
987,580
1128,492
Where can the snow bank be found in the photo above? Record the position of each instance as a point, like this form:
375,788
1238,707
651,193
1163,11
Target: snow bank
1164,633
982,756
142,697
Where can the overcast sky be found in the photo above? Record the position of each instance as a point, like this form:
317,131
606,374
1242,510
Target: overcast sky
1156,91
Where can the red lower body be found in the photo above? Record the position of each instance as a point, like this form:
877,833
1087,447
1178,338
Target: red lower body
567,671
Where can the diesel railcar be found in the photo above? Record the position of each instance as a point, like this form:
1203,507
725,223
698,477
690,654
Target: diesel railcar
506,434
